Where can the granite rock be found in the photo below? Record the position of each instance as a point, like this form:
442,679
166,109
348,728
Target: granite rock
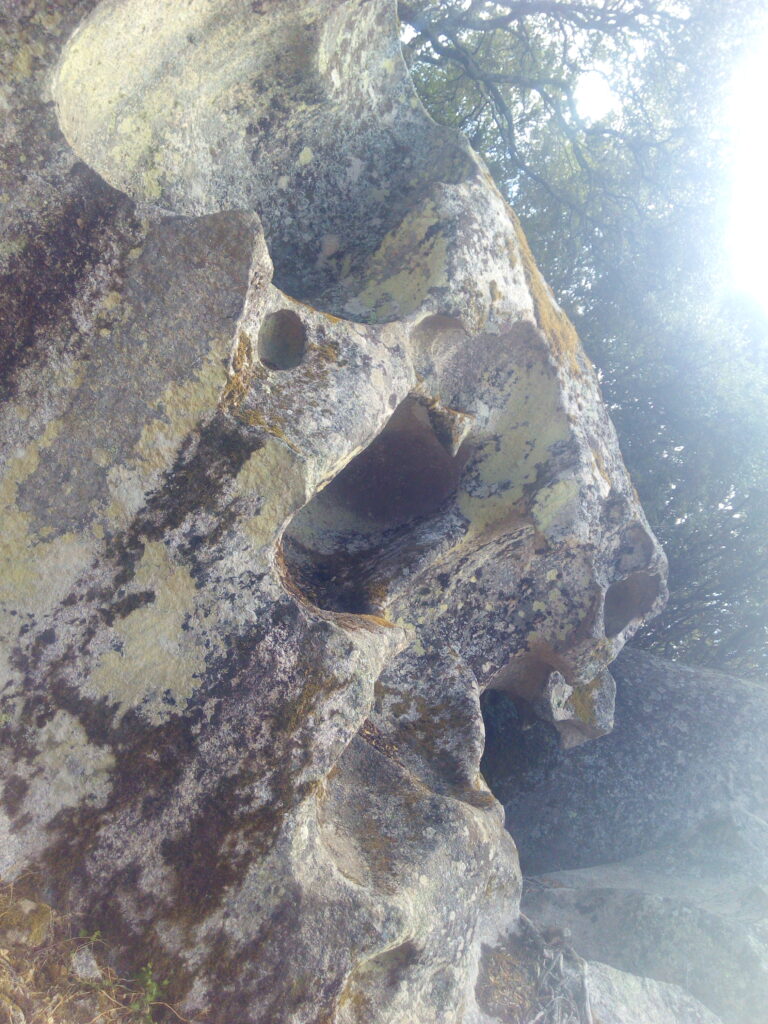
687,745
299,455
620,998
693,913
649,847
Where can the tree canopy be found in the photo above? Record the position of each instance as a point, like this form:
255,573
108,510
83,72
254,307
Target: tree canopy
625,210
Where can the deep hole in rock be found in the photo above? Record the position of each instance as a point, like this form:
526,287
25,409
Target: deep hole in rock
637,549
374,523
436,329
377,978
501,712
282,340
629,600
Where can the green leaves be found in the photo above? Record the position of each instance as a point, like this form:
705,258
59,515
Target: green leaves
625,212
147,993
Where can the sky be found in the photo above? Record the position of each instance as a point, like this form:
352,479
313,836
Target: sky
746,128
594,97
745,125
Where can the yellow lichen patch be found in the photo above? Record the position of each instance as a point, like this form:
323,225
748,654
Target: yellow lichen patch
255,419
49,20
243,355
11,247
257,477
111,301
22,922
155,654
151,179
363,621
240,375
601,469
550,318
408,264
71,769
327,353
23,61
35,574
529,425
556,505
92,55
180,409
583,702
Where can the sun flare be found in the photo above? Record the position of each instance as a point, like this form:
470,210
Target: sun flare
748,208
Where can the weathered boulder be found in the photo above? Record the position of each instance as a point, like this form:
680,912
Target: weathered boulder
298,457
534,977
654,839
693,913
687,743
620,998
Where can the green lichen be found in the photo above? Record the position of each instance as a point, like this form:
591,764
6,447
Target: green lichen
550,318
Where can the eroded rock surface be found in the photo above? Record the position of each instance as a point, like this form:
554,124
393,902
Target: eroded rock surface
299,456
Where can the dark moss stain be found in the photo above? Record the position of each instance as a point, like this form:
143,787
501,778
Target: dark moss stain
149,764
122,608
255,974
203,867
14,791
37,291
206,462
41,641
386,971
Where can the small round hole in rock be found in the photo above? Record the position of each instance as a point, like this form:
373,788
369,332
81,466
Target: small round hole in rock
282,341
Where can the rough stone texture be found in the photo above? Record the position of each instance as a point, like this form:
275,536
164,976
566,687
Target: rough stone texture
654,839
687,744
619,998
298,457
694,913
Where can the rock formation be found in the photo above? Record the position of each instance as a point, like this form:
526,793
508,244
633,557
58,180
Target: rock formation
651,846
299,456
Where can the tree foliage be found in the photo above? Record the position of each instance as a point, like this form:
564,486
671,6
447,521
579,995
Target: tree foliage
625,213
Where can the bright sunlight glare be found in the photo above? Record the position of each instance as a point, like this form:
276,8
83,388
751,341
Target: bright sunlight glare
594,97
748,215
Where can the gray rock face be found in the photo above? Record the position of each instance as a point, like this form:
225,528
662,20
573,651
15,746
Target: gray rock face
619,998
693,913
653,839
298,457
687,743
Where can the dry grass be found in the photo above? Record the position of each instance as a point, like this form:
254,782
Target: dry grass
48,975
560,995
533,978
